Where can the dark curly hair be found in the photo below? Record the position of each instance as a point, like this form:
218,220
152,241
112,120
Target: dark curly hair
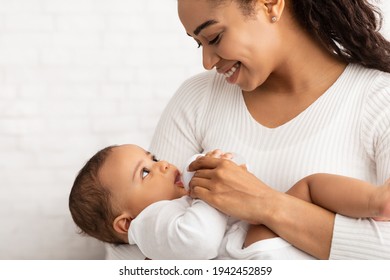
347,28
90,202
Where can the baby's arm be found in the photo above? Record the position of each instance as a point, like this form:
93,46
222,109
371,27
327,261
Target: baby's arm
344,195
179,229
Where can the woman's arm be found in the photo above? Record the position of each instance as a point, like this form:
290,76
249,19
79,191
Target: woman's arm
365,238
177,136
238,193
306,226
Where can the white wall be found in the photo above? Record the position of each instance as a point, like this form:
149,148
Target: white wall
75,76
385,7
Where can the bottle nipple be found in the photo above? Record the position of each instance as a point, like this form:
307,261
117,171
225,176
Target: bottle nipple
187,175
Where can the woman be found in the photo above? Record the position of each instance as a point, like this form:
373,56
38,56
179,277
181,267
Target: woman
299,87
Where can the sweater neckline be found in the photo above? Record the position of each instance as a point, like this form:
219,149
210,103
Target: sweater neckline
312,108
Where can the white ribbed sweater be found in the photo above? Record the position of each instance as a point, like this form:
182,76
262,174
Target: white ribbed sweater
346,131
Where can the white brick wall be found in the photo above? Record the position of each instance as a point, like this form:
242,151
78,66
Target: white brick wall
75,76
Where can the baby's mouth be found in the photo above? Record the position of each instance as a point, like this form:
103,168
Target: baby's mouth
178,180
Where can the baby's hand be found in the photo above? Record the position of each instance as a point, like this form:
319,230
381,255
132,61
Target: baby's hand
219,154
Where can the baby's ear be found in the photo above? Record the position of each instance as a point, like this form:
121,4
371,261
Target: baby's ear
122,223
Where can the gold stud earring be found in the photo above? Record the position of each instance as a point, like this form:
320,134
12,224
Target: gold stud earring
274,19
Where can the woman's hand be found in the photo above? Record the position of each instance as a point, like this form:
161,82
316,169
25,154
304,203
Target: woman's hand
236,192
229,188
219,154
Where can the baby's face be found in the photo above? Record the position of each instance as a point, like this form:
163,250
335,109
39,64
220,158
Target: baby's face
136,179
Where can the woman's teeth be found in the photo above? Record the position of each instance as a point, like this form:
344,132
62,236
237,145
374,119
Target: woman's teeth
229,73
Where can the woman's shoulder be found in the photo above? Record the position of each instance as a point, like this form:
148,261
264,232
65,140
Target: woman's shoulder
206,81
203,87
192,91
369,76
375,117
367,84
201,79
194,87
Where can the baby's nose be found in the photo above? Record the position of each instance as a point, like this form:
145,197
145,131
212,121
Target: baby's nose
163,166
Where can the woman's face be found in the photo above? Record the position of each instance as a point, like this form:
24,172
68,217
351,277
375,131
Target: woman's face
244,48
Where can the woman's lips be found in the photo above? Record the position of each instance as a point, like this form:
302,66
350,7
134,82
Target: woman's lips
232,74
232,70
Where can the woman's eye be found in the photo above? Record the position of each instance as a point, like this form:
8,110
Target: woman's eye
145,172
199,44
215,40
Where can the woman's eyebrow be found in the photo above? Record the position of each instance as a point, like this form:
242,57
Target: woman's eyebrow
204,25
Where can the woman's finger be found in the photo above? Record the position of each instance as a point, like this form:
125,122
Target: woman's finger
215,153
203,173
199,192
200,182
227,156
210,163
204,163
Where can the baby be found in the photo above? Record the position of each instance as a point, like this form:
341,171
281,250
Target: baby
124,195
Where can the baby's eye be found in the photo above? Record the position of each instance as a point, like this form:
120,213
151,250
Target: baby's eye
145,172
154,159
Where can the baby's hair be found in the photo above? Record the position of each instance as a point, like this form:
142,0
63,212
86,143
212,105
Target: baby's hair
90,201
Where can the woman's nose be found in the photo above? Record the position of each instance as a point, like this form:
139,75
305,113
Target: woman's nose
210,58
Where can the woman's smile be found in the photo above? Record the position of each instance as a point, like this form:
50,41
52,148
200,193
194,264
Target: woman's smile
232,74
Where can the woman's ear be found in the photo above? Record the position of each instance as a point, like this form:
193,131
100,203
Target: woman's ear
122,223
274,9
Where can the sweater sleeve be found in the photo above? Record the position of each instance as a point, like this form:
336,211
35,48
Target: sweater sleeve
179,229
178,133
366,238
